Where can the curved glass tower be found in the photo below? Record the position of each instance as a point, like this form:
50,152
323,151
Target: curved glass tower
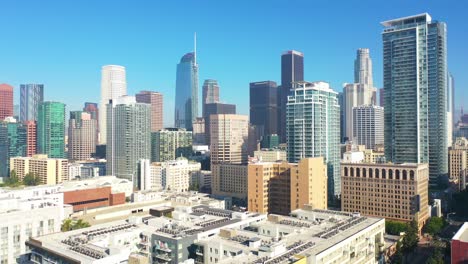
186,105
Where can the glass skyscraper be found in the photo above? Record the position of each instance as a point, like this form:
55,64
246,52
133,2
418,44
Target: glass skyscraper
264,106
313,128
13,137
415,83
51,129
186,104
31,95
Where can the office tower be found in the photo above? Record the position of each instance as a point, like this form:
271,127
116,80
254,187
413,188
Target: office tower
31,137
48,170
229,135
6,100
269,141
264,106
92,109
313,128
415,83
171,143
229,180
155,99
361,92
368,125
16,111
12,143
210,93
292,70
82,136
199,136
450,108
458,159
31,95
395,191
186,105
282,187
113,86
51,129
382,97
128,136
216,109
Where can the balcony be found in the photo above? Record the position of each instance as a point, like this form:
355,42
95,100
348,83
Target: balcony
165,257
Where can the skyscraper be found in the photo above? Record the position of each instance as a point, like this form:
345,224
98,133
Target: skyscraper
415,83
6,100
154,99
51,129
229,135
382,97
186,105
113,85
368,125
128,136
264,106
31,95
92,109
292,70
31,137
450,109
12,143
313,128
361,92
82,135
215,109
210,93
170,143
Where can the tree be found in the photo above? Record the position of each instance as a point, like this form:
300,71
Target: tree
13,180
411,238
395,228
437,257
80,224
30,179
66,225
434,225
69,224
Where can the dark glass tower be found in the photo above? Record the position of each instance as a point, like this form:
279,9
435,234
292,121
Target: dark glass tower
263,106
292,70
31,95
186,104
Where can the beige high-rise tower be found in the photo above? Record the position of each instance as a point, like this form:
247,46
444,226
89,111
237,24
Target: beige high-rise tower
229,135
155,99
82,136
113,85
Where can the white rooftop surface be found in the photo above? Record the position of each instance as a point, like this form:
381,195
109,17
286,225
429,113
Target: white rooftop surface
462,233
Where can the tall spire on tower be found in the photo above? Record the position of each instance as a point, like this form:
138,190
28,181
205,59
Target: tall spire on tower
195,48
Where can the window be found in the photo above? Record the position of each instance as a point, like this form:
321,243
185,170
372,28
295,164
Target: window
345,171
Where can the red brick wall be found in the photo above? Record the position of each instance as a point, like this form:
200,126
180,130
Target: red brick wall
459,252
116,198
89,198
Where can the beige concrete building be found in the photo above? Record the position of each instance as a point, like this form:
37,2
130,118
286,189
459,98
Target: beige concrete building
228,138
458,159
270,155
49,170
371,156
229,180
281,187
82,136
396,192
155,99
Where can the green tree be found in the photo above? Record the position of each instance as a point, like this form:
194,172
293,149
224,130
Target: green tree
395,228
434,225
66,225
80,224
69,224
13,180
30,179
411,238
437,257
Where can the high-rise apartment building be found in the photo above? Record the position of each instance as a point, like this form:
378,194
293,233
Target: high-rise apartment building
31,95
128,136
51,129
171,143
113,86
82,136
264,106
13,136
292,70
216,109
361,92
229,135
394,191
281,187
313,128
155,99
415,83
450,108
368,125
6,100
210,93
186,104
49,171
31,137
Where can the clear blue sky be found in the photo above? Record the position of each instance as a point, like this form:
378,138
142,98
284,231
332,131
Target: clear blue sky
63,44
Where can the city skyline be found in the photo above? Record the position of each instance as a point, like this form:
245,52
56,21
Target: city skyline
155,70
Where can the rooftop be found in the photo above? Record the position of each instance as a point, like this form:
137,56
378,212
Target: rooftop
407,20
462,233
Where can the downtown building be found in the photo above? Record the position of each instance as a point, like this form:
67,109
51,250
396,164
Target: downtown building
31,95
82,136
215,109
113,86
313,128
47,170
154,99
186,104
368,126
6,101
51,129
128,136
170,143
13,143
210,94
264,107
415,85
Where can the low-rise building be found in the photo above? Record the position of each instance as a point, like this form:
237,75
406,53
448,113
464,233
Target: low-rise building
372,156
270,155
229,180
459,245
394,191
47,170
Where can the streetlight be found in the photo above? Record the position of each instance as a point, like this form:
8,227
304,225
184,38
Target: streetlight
448,217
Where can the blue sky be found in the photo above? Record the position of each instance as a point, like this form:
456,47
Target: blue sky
63,44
